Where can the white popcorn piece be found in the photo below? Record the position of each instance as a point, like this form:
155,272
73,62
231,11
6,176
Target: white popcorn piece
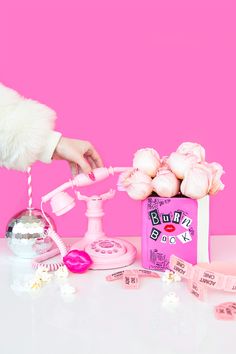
42,274
45,277
36,284
26,286
67,289
62,272
169,277
177,277
170,300
41,270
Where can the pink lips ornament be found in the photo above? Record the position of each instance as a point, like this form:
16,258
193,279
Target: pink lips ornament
77,261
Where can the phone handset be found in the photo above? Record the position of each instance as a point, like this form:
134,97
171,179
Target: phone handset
61,202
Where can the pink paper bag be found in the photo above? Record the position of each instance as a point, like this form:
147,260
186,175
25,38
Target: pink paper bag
178,226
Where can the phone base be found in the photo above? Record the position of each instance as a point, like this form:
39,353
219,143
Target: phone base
108,253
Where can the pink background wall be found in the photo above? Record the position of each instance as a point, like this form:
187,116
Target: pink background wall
124,75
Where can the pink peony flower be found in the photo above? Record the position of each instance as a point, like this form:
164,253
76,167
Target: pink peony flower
147,160
192,149
137,184
216,171
197,182
180,164
164,163
166,184
188,164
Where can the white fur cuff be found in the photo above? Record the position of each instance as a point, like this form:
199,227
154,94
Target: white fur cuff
52,141
26,131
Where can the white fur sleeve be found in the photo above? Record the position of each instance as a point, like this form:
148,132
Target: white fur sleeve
26,131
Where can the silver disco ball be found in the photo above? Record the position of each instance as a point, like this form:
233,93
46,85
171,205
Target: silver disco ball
26,233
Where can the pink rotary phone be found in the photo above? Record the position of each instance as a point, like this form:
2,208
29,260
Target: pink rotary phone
95,250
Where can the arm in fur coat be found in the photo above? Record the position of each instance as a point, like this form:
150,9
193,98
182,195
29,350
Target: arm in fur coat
26,131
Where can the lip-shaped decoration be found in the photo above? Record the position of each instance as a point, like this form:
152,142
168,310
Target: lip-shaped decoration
77,261
169,228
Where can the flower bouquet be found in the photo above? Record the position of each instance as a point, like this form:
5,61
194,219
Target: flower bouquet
175,193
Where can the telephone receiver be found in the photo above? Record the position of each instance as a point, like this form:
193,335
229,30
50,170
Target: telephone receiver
95,250
61,202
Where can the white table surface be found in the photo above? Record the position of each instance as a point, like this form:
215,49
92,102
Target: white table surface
104,318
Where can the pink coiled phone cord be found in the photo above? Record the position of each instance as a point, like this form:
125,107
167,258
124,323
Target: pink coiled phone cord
61,249
37,262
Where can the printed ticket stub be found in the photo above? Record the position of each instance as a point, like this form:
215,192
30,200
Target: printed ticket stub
148,273
115,276
181,267
230,284
140,272
226,311
197,290
131,280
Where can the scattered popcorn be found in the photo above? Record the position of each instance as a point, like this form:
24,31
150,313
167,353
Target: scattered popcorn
67,289
40,271
177,277
62,272
36,284
170,300
42,274
170,277
41,277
